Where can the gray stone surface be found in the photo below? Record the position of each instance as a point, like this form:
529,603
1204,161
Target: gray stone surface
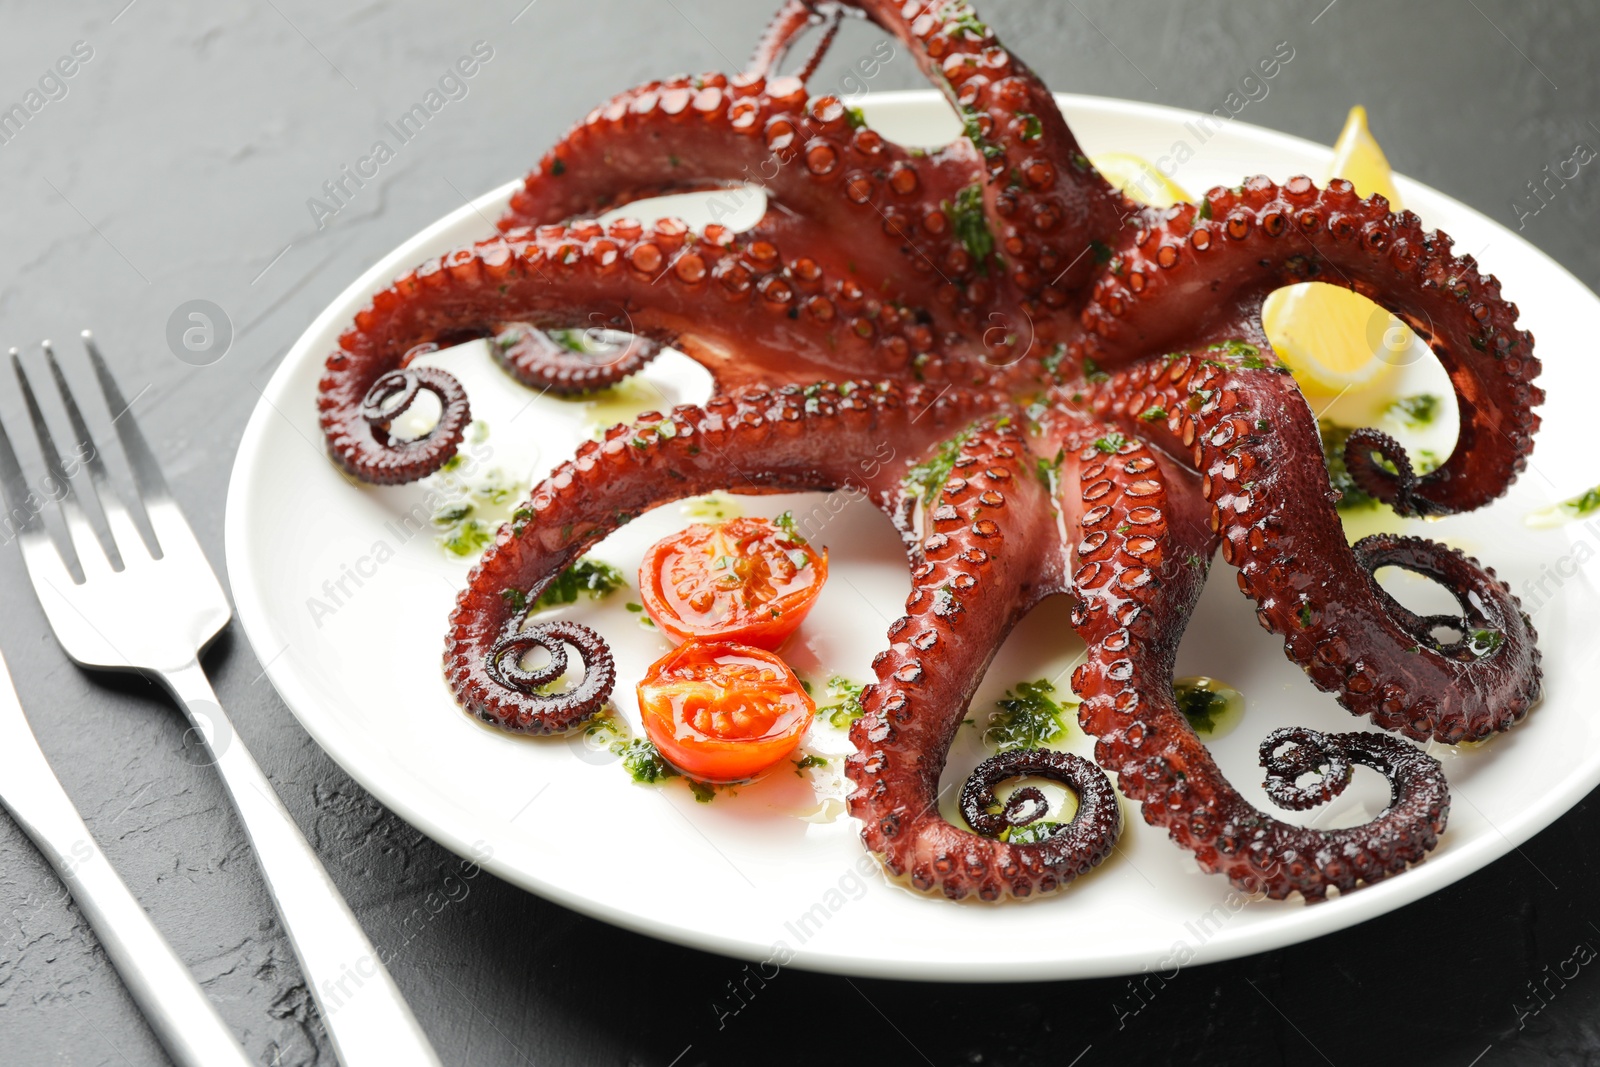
177,167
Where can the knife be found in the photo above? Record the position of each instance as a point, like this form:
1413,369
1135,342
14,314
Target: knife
183,1019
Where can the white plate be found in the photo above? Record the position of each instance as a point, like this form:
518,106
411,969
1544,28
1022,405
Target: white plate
746,875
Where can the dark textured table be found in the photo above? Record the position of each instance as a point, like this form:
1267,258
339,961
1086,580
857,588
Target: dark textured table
177,166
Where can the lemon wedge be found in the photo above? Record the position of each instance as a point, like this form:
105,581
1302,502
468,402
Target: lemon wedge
1358,160
1134,177
1332,339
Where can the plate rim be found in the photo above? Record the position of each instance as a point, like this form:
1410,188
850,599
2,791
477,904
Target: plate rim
1307,924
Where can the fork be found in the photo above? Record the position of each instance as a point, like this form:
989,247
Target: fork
152,606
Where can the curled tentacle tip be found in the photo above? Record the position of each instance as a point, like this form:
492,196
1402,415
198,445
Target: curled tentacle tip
1380,467
535,708
390,397
1096,824
1291,753
366,446
1024,806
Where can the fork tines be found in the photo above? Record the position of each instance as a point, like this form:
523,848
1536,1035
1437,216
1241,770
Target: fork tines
24,506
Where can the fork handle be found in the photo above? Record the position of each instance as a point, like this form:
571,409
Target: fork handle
362,1009
184,1020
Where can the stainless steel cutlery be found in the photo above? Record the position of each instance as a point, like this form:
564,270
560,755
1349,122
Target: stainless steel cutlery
179,1013
148,601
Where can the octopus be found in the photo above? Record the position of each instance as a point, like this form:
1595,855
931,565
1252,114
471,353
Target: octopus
1048,388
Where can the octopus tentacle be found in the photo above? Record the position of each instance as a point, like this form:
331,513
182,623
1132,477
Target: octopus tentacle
791,21
809,439
984,560
1263,236
1251,434
823,172
1489,614
1308,752
646,282
538,361
1397,487
554,711
682,134
1045,203
1131,622
1093,829
357,413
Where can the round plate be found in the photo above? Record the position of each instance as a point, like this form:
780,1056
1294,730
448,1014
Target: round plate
344,591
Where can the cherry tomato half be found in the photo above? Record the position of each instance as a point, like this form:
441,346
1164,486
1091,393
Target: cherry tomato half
746,580
722,712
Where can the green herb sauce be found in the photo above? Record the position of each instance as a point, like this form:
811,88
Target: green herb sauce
589,577
1211,707
646,765
1483,642
1585,503
717,506
643,761
1419,410
808,760
1032,833
786,523
471,507
846,707
1049,470
1026,717
1248,355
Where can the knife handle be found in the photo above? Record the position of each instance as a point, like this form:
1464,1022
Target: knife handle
183,1019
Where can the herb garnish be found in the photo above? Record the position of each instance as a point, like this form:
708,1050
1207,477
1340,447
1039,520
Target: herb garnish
1200,706
808,760
1110,443
846,708
590,577
971,227
1418,410
929,476
1026,717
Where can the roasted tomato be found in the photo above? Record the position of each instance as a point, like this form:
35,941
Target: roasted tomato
750,581
722,712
